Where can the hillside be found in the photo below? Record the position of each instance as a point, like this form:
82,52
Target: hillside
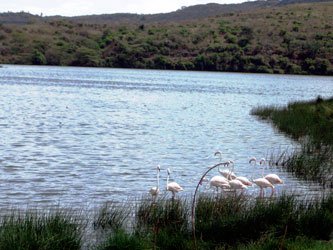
185,13
291,39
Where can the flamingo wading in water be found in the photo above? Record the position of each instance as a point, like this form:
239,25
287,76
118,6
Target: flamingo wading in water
173,186
272,178
218,182
260,182
226,173
154,190
243,179
236,184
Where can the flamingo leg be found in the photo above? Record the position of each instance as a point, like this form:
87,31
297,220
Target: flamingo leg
226,193
272,192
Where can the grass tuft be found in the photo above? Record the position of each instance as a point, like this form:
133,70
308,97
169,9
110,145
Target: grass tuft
33,230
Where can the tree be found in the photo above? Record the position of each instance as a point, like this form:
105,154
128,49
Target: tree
37,57
86,57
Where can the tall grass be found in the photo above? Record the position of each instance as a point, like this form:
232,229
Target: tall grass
112,216
240,222
311,124
35,230
234,222
299,119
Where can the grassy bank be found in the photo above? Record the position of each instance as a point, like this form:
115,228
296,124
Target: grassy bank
221,223
311,124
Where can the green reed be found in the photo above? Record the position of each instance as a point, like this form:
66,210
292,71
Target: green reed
227,222
298,119
311,124
38,230
112,216
240,222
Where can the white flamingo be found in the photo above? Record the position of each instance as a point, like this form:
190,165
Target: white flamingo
226,173
272,178
154,190
173,186
236,184
243,179
217,181
260,182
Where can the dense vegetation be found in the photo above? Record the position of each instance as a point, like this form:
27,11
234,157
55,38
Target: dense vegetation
184,13
221,223
292,39
310,123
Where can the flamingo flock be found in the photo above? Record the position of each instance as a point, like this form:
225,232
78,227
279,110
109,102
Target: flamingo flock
173,187
226,180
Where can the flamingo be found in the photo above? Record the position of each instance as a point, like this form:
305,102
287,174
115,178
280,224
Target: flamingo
218,182
260,182
154,190
226,173
236,184
272,178
173,186
243,179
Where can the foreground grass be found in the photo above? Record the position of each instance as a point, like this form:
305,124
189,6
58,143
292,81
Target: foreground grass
34,230
310,123
221,223
229,223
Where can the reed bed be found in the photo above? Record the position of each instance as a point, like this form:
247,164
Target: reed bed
59,229
241,222
298,119
311,124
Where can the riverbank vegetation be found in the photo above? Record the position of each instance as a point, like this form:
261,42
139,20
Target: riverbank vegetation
242,222
292,39
311,124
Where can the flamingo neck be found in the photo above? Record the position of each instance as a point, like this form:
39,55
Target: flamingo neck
263,169
158,178
167,182
218,152
231,171
254,167
219,169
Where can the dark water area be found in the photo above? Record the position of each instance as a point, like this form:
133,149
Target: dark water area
78,137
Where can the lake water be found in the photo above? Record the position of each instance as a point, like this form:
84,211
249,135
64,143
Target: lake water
78,137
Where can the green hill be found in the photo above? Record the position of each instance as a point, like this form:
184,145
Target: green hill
292,39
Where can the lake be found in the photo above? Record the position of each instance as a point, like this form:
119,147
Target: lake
78,137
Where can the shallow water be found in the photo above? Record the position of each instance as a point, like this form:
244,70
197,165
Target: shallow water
83,136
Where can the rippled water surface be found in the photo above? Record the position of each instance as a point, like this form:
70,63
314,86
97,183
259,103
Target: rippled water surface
78,136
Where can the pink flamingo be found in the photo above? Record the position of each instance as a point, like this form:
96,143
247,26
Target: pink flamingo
154,190
243,179
173,186
218,182
272,178
236,184
226,173
260,182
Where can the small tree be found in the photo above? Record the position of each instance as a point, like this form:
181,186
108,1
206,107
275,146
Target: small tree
37,57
